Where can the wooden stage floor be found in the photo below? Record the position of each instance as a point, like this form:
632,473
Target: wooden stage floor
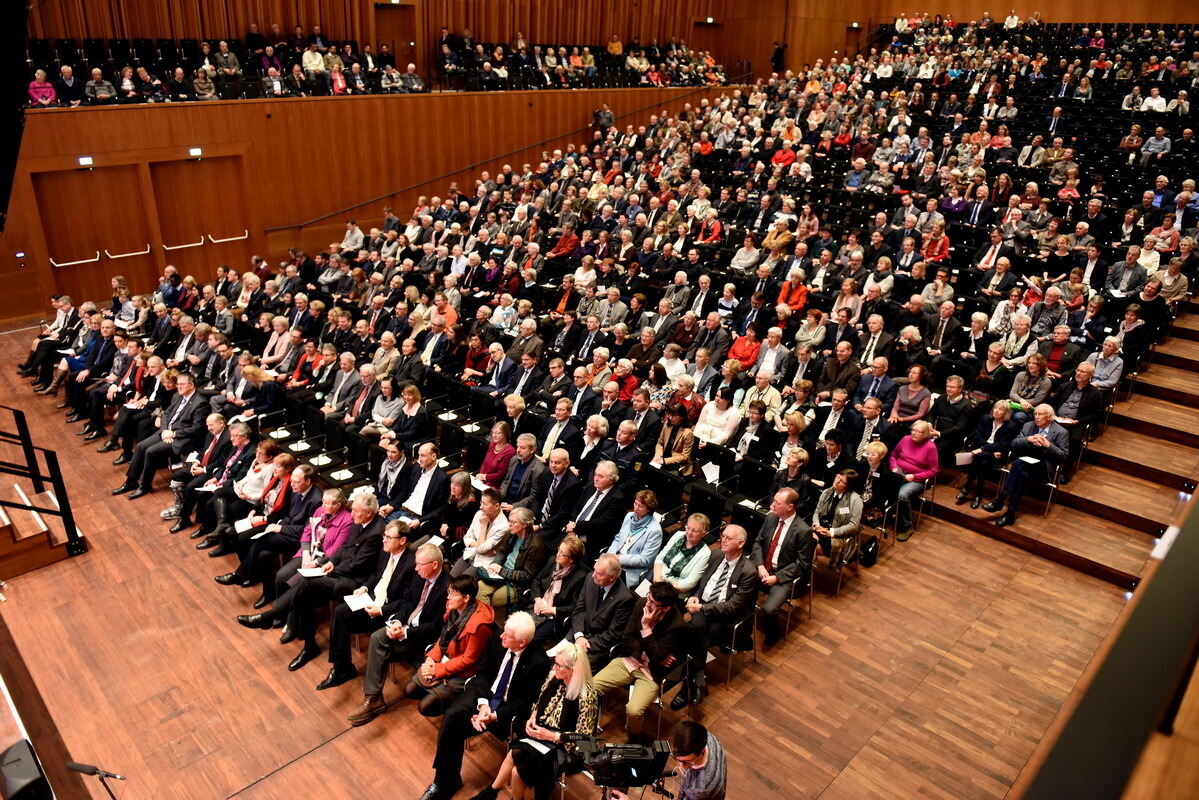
933,674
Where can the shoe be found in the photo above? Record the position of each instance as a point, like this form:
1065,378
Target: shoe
306,655
372,706
139,493
181,524
1065,479
223,550
976,502
288,636
487,794
1006,519
38,387
248,582
258,621
73,417
170,512
262,602
124,487
681,700
209,541
961,497
228,579
279,623
198,533
123,458
994,505
336,677
903,534
87,437
108,447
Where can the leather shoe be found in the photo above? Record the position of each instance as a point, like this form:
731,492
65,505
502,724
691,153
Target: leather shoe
681,700
223,550
961,497
994,505
976,502
107,447
38,387
87,437
487,793
228,579
198,533
1006,519
209,541
372,706
248,582
279,623
262,602
303,658
336,677
139,493
259,621
435,791
181,524
73,417
124,487
123,458
288,636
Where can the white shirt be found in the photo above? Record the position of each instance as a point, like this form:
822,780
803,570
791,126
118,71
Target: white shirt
416,501
774,562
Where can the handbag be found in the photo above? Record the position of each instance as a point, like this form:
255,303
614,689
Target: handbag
868,556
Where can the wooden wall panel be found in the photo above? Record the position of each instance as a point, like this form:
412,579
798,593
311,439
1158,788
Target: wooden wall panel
1095,11
270,163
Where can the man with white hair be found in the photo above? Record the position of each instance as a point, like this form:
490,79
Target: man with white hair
1041,447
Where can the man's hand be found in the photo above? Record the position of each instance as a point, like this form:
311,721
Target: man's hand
395,630
694,604
482,718
770,580
327,568
373,610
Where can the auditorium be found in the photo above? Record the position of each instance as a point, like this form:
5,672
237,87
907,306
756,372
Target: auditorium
510,399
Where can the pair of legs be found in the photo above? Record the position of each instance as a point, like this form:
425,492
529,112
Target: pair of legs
645,691
908,493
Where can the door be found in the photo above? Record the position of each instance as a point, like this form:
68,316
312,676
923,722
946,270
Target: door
395,25
202,211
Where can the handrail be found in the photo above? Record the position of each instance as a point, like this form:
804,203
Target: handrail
76,544
245,235
732,82
54,263
169,247
126,255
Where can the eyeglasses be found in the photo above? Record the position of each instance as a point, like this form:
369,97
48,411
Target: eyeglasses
390,536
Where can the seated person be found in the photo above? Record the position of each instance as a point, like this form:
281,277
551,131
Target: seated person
639,539
1077,405
988,446
837,519
601,612
454,658
782,554
518,560
915,460
676,442
685,556
1045,442
483,536
878,486
557,588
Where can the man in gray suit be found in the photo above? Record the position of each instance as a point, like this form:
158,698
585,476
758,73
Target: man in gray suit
516,490
346,386
602,611
611,310
782,555
1043,441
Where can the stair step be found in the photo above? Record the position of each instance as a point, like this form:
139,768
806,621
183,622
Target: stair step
1092,545
1158,417
1146,456
1166,382
57,530
26,522
1186,327
1142,505
1177,352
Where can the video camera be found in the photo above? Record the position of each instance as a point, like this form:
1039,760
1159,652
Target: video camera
624,765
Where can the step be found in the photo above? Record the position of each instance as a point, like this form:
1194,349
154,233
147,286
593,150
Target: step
1175,352
1157,417
1186,327
27,523
1080,541
1139,504
1165,382
58,533
1146,456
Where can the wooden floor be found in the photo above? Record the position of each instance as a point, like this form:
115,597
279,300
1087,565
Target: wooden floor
933,674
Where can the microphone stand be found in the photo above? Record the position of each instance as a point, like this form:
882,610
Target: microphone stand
104,782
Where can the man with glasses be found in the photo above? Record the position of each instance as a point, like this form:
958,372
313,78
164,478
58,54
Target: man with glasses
702,771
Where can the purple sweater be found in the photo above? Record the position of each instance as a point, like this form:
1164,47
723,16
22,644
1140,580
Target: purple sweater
335,535
920,460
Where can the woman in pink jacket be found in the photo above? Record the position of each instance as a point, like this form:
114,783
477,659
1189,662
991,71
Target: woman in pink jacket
914,459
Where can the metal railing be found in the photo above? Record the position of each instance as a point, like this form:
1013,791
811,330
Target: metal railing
733,82
31,470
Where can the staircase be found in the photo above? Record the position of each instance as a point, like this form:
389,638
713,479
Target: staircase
28,539
1133,482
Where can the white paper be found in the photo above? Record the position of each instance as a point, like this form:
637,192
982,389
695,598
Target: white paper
642,589
553,651
131,406
1030,460
208,487
435,540
965,458
357,602
470,428
321,461
258,535
443,463
747,503
342,475
540,747
243,525
711,473
655,465
192,456
299,447
478,484
311,572
280,433
448,416
410,522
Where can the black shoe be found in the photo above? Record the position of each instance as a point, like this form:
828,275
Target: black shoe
1006,519
209,542
248,582
279,623
306,655
262,602
486,794
108,447
39,386
139,493
228,579
181,524
73,417
961,497
259,621
124,487
681,700
994,505
288,636
976,502
437,791
95,434
223,550
336,677
1065,479
123,458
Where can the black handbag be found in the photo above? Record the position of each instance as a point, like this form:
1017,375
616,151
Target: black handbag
868,557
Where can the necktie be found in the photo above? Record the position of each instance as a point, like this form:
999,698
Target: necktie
520,385
940,334
590,508
361,399
637,419
182,404
380,592
424,595
586,348
873,387
868,354
774,544
208,452
974,213
501,686
866,433
549,497
715,588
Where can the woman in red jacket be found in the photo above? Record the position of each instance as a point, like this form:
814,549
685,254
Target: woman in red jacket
936,246
793,293
454,659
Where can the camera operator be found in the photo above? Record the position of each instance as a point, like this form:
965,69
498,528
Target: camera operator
701,766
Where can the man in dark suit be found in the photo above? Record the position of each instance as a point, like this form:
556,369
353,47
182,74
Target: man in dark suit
997,281
277,535
115,390
554,495
497,700
979,212
599,510
943,331
1046,444
560,430
554,385
841,372
516,489
528,378
583,400
181,426
226,457
99,361
1077,406
712,336
782,555
601,612
724,596
876,383
409,369
647,420
625,453
412,625
427,493
839,330
386,587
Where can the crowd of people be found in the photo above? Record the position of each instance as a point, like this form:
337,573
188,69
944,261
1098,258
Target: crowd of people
686,303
